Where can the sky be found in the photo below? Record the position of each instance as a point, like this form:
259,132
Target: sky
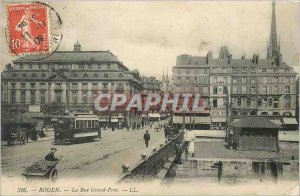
149,35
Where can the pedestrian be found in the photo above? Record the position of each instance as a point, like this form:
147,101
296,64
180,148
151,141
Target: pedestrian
147,138
50,156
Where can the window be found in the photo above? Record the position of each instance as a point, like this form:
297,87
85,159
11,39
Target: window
253,88
33,75
178,79
287,79
244,90
264,70
205,71
244,80
23,96
108,66
89,66
13,96
187,71
179,71
99,66
287,102
21,66
287,89
224,70
234,89
120,75
84,98
30,66
105,76
94,85
42,85
234,69
32,97
74,97
188,79
244,102
275,80
244,69
275,89
215,103
275,70
32,85
81,66
270,102
84,86
259,102
225,79
42,93
264,79
24,75
95,75
215,90
85,75
13,85
214,79
248,102
253,70
205,89
225,90
14,75
234,102
74,85
43,75
58,85
276,100
239,102
234,80
264,90
105,85
58,96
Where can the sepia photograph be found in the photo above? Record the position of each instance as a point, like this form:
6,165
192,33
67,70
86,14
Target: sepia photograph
149,97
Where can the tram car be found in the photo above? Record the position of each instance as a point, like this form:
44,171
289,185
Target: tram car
76,127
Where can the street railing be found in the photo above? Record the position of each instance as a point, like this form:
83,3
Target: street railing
148,168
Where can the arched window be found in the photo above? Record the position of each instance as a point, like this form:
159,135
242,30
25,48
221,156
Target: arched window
75,75
105,75
253,113
95,75
264,114
275,114
270,102
287,114
85,75
259,102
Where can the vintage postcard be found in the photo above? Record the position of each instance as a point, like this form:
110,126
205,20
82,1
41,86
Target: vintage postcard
149,97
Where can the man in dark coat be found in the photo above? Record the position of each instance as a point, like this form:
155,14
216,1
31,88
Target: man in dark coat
50,155
146,138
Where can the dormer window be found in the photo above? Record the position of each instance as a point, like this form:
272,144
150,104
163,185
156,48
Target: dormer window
95,75
85,75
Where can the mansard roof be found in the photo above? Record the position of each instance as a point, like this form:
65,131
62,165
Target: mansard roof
72,56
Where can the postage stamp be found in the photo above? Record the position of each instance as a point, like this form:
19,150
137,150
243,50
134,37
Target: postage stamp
28,26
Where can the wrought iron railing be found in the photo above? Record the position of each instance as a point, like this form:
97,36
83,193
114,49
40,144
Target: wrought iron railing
147,169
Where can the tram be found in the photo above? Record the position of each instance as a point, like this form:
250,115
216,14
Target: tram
76,127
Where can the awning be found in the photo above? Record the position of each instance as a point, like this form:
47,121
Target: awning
289,121
114,120
235,120
102,120
201,120
177,119
218,119
154,115
277,122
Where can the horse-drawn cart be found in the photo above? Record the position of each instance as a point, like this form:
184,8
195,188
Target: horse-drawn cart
42,170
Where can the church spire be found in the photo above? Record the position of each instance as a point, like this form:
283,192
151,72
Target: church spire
273,50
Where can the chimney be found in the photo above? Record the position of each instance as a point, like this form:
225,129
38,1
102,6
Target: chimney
208,57
77,46
254,58
229,59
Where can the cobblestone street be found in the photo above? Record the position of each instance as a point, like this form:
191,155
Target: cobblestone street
103,157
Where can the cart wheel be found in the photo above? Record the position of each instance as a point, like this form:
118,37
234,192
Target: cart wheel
53,175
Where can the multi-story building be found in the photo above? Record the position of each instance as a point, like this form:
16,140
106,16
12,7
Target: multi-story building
263,87
191,76
70,79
